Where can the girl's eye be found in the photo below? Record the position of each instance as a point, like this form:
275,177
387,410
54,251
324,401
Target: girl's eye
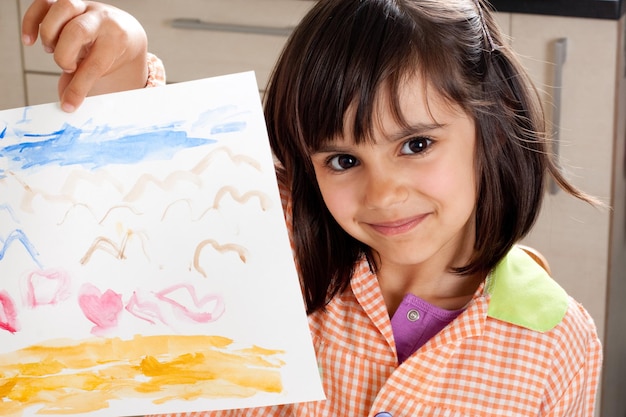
342,162
416,145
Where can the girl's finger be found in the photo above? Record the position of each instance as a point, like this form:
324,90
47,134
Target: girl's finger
60,13
75,40
92,68
64,81
32,18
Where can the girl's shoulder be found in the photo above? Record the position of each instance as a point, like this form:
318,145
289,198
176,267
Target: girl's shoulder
547,323
523,293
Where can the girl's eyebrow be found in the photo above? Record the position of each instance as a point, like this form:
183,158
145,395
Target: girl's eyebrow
330,148
415,130
408,130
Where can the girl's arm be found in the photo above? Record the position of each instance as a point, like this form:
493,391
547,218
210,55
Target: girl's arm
101,49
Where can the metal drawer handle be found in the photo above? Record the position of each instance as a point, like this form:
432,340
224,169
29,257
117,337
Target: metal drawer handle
197,24
560,52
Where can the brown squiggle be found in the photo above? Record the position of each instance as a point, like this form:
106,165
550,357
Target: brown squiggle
119,206
93,214
191,176
264,200
237,159
30,194
167,184
107,245
228,247
185,200
142,238
97,178
72,208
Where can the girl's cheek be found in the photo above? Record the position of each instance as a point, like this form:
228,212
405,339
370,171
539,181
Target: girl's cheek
337,202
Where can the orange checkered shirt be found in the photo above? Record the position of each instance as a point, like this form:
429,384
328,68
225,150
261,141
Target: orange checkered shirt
497,358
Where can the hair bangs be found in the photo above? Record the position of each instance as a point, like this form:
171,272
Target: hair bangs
346,79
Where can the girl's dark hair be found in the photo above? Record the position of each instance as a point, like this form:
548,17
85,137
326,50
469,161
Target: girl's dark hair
343,54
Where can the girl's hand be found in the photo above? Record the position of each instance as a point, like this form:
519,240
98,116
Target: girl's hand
100,48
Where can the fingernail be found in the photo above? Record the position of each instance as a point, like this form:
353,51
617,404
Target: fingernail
26,40
48,49
67,107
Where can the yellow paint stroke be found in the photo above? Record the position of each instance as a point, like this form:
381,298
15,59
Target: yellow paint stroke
69,377
227,247
264,200
237,159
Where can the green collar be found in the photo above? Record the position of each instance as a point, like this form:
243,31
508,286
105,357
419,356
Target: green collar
522,293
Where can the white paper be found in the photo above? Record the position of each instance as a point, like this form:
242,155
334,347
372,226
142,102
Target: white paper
145,219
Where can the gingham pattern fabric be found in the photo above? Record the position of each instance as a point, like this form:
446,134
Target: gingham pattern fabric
477,366
156,71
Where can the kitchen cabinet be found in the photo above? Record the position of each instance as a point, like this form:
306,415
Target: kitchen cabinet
11,72
596,9
585,246
194,38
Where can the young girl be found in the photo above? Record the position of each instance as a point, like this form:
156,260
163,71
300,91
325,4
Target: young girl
413,157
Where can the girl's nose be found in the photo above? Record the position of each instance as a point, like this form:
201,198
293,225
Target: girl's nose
385,189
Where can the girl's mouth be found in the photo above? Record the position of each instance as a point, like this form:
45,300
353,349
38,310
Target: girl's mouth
398,227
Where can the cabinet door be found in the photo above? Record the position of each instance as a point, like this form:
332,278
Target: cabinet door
202,38
11,75
571,234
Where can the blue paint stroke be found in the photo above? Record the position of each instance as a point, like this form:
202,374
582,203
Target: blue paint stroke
72,146
215,115
24,119
229,127
4,132
9,209
17,234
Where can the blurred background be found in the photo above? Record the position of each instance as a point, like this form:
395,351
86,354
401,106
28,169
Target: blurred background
574,51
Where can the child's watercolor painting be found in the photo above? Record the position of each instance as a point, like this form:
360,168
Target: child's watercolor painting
145,265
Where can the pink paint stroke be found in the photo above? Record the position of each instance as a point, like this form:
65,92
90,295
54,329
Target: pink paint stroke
144,309
8,313
102,309
199,315
47,288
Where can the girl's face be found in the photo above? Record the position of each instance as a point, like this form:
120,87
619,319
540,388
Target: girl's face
409,194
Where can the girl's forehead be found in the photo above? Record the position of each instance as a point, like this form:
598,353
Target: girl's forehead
414,104
417,97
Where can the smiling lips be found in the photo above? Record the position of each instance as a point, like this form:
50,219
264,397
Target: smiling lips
398,227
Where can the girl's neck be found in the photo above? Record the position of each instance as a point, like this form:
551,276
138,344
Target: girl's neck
435,284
